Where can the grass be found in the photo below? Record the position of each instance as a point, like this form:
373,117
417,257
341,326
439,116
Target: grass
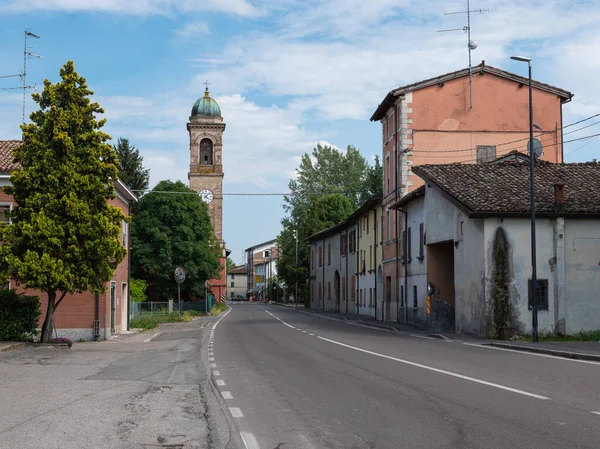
148,321
550,337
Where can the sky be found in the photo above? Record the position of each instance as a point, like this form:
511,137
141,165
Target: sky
287,74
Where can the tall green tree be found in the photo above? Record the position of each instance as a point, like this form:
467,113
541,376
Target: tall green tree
230,264
131,170
65,236
171,230
373,181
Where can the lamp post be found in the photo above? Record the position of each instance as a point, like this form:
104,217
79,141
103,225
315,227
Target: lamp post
296,296
534,296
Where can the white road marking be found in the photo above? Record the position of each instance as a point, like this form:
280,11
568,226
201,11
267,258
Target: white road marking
249,440
437,370
211,359
304,332
216,373
279,319
596,413
311,334
220,382
219,320
226,395
213,365
148,340
422,336
549,356
236,412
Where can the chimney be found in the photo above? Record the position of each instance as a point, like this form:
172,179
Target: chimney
559,198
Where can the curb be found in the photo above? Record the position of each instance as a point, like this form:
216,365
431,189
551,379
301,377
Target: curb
564,354
12,346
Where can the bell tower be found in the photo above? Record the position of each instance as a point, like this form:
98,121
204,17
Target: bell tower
206,128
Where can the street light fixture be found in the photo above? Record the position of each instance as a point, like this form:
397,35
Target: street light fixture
534,296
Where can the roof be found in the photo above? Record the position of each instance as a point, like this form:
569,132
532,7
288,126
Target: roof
408,198
268,242
388,101
503,189
206,107
7,166
375,200
6,157
241,269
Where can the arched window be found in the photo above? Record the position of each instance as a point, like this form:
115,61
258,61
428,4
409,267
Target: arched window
206,152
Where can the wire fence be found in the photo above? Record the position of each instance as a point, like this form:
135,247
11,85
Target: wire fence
138,309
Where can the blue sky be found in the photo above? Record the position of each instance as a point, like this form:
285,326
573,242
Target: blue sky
286,73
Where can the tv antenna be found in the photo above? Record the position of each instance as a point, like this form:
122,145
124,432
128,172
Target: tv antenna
27,55
471,44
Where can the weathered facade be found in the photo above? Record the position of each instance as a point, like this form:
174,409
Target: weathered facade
237,282
82,315
477,248
431,122
261,268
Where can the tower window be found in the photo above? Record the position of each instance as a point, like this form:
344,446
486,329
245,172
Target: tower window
206,152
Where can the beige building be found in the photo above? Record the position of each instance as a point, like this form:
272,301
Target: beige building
237,282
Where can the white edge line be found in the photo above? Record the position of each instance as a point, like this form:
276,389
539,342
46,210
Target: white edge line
219,320
213,365
148,340
596,413
236,412
549,356
437,370
220,382
279,319
249,440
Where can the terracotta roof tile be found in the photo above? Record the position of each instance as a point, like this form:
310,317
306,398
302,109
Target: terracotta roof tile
504,188
242,269
6,157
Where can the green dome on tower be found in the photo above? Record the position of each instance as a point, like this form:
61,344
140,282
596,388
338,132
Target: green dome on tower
206,107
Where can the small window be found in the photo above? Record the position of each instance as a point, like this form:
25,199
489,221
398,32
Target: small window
5,210
415,301
329,290
367,223
485,153
320,256
421,241
542,294
387,222
387,173
206,152
320,291
344,289
360,299
402,296
232,284
124,233
329,254
370,297
353,288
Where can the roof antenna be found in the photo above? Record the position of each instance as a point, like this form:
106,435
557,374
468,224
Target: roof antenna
471,44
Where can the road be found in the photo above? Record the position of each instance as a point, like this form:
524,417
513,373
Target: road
292,379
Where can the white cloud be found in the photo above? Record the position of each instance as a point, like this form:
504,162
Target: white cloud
192,29
136,7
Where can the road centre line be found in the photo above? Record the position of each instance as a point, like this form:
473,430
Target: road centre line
429,368
437,370
549,356
249,440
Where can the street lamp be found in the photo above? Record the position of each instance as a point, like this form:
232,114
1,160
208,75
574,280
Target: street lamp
296,296
534,302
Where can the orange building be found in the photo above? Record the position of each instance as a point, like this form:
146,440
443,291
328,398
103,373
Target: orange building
83,315
431,122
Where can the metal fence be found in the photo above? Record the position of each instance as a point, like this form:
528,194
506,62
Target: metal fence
138,309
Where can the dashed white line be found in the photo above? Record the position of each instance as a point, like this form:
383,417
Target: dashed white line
211,359
216,373
304,332
596,413
589,362
236,412
437,370
226,395
279,319
220,382
311,334
249,440
148,340
213,365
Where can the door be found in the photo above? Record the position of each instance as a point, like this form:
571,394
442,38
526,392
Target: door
113,306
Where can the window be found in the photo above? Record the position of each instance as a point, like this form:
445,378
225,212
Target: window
387,221
485,153
408,245
403,246
353,288
387,173
390,120
124,233
343,238
206,152
370,297
370,258
367,218
320,256
385,130
312,257
5,209
329,290
329,254
232,284
344,289
421,241
352,242
402,296
415,301
320,291
542,294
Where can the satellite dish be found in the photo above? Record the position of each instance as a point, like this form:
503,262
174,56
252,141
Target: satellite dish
472,44
537,148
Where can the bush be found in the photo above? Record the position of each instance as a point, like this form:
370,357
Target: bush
218,308
150,321
137,290
19,315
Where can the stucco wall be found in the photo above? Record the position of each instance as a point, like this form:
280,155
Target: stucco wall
582,266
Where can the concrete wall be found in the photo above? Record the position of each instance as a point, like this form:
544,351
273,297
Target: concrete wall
240,284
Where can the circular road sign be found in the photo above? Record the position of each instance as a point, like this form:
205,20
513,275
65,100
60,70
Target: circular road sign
179,275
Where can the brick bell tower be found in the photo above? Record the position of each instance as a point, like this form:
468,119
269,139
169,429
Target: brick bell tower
206,128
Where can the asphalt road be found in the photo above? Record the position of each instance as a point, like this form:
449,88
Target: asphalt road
294,380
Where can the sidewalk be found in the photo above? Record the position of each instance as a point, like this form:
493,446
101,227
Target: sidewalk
579,350
10,345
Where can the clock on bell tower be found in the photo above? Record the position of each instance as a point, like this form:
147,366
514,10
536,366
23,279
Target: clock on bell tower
206,128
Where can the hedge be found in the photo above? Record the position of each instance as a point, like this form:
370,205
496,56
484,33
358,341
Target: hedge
19,315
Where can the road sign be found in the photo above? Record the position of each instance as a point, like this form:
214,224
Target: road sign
179,275
258,279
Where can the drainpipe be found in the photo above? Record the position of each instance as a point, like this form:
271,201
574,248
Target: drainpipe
382,273
97,318
405,244
323,291
396,213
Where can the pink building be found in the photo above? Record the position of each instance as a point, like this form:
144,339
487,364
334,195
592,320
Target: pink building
431,122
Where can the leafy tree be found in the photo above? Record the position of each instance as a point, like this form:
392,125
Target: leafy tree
323,178
131,170
230,264
173,230
65,236
137,290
